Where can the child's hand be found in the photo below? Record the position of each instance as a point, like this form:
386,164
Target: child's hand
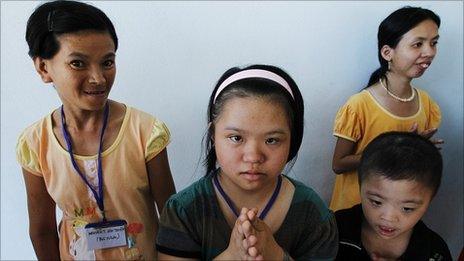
238,243
250,238
428,135
260,240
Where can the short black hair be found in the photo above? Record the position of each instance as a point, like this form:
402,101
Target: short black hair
55,18
257,87
402,156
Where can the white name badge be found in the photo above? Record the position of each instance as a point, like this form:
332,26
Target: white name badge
106,234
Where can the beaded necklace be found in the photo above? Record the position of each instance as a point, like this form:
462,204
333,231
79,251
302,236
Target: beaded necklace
396,97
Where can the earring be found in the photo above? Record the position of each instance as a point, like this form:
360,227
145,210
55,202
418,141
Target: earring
389,65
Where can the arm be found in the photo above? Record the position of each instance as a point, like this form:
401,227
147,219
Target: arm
42,218
320,239
343,159
160,178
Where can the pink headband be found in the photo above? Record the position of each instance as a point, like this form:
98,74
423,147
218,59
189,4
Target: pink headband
253,73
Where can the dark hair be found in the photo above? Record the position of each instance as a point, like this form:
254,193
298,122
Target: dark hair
257,87
52,19
402,156
392,29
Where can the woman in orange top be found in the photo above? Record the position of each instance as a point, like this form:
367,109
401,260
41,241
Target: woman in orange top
103,163
407,44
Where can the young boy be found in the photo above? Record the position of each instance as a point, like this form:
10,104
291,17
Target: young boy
399,175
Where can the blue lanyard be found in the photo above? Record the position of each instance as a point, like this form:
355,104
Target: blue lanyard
234,208
98,195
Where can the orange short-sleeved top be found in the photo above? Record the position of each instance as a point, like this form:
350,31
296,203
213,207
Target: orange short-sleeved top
126,187
360,120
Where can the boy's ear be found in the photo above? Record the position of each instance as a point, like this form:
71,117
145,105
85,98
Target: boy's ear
41,68
386,52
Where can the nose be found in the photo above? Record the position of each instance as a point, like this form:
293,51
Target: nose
253,153
389,214
96,76
429,50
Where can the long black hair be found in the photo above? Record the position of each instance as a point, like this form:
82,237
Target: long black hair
392,29
252,87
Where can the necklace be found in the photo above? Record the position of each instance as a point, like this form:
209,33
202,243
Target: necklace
232,205
396,97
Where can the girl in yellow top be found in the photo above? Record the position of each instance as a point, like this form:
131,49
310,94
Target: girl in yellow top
104,164
407,41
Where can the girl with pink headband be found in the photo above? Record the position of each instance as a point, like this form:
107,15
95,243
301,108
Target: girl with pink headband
244,208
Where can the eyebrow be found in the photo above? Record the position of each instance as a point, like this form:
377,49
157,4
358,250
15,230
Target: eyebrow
417,202
423,38
277,131
414,201
374,194
81,55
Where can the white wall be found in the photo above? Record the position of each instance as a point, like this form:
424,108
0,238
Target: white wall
171,54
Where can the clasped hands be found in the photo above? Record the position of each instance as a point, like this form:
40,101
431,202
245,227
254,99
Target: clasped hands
252,239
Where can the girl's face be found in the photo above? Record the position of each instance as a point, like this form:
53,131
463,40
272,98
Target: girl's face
82,71
252,142
415,51
393,207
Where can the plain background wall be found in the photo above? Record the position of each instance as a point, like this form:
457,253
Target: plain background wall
172,53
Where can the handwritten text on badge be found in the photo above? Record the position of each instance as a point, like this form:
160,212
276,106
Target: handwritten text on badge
105,237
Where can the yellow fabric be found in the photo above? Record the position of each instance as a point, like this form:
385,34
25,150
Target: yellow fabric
360,120
159,137
126,187
26,157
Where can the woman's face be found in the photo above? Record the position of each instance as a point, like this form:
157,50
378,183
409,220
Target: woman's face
252,142
83,70
415,51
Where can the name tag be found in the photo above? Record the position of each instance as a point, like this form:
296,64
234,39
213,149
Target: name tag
106,234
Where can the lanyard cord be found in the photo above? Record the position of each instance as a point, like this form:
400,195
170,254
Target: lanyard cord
98,195
232,206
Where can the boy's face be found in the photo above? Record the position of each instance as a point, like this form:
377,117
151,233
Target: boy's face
392,208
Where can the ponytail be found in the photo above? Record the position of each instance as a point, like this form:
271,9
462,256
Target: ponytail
376,76
381,72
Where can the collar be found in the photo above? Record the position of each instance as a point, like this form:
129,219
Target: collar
349,222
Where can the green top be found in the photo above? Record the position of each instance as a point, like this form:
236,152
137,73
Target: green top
192,225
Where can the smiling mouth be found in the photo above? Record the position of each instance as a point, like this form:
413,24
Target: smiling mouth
94,92
424,65
386,231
